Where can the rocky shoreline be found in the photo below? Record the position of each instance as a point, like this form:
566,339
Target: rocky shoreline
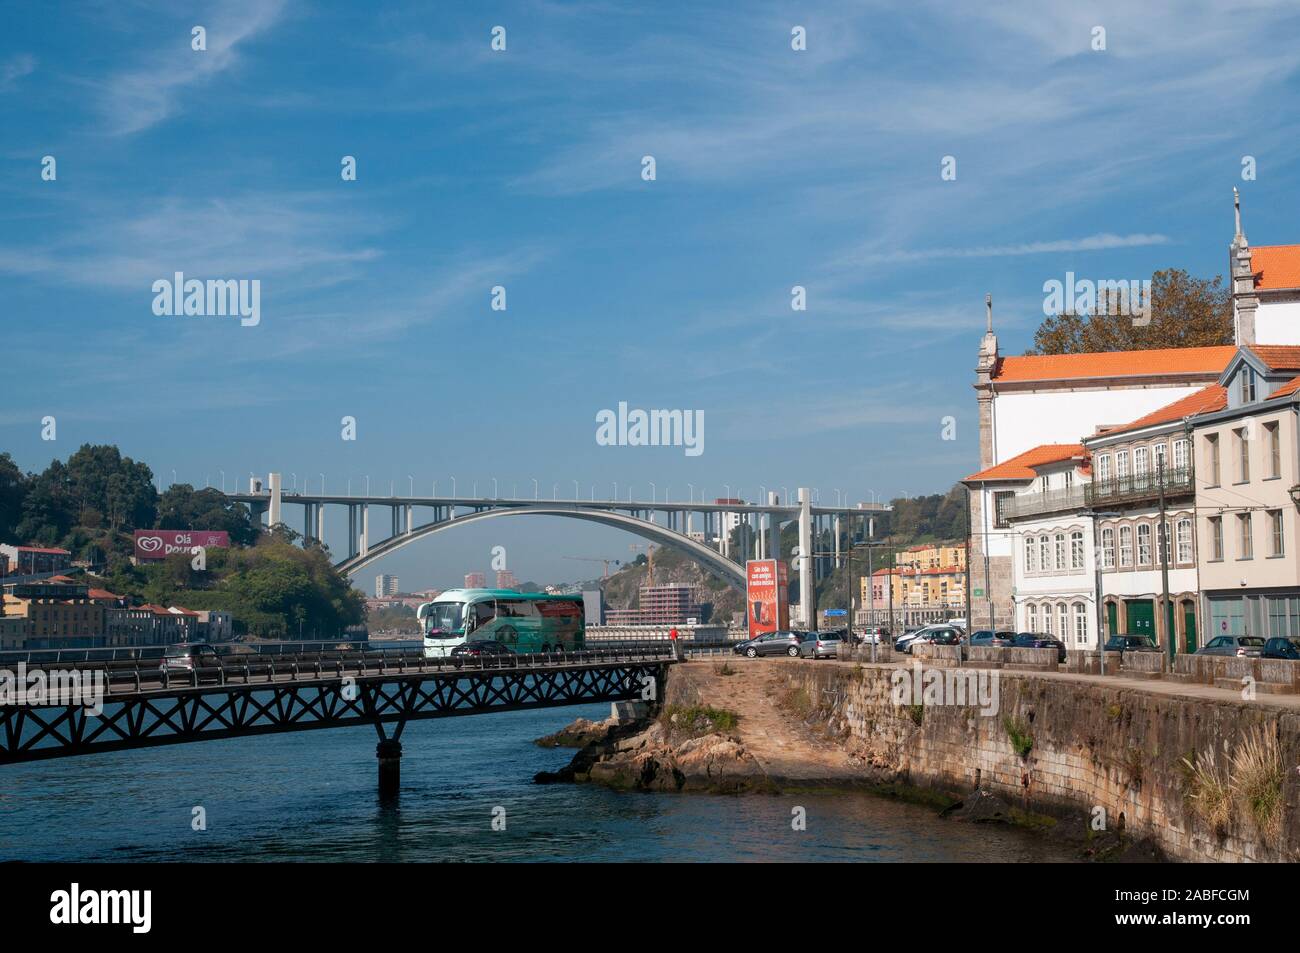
691,750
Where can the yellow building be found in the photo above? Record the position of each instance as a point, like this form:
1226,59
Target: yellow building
950,556
54,612
916,588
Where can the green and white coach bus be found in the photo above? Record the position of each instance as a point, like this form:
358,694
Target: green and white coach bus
521,621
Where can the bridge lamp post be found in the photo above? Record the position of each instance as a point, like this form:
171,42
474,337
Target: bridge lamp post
535,490
453,487
412,479
367,484
555,491
654,493
295,481
223,480
691,487
785,494
322,484
495,494
473,489
349,486
575,491
616,491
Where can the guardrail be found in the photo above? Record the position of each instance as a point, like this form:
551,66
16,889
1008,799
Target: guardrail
137,676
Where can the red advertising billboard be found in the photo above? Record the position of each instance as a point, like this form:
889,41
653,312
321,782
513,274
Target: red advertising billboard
161,543
767,606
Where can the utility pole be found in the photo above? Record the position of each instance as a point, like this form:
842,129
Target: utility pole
970,616
1162,543
871,602
891,589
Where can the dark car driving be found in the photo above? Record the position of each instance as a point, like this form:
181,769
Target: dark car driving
1131,643
1033,640
191,659
480,648
1281,648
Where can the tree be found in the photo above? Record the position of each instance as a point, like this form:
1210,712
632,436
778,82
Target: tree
183,507
13,489
1185,312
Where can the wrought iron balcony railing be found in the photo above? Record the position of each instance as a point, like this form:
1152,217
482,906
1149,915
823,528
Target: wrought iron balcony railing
1044,501
1135,488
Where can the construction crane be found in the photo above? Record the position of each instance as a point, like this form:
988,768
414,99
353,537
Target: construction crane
588,559
650,559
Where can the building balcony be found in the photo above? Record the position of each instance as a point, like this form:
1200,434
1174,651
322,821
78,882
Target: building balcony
1127,490
1045,501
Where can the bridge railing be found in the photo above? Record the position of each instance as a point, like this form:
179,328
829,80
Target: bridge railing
131,676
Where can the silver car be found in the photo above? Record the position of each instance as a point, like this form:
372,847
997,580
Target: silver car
821,645
773,643
1242,646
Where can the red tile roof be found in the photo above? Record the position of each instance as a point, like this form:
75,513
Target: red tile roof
1276,266
1102,364
1278,357
1214,397
1287,389
1020,467
103,594
42,549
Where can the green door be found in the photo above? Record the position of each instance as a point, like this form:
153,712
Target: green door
1141,615
1112,618
1189,625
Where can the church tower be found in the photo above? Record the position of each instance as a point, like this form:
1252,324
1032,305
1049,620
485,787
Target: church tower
1245,300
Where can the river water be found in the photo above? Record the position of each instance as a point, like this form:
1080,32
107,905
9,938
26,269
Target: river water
311,796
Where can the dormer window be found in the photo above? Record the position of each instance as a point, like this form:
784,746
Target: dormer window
1247,385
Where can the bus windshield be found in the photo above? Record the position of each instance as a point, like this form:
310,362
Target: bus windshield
444,618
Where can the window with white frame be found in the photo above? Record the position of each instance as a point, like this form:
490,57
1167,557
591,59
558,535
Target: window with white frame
1076,550
1031,554
1062,620
1185,540
1080,623
1276,545
1108,548
1031,618
1047,620
1180,454
1126,546
1121,464
1103,468
1044,554
1243,454
1160,457
1162,544
1245,537
1144,544
1060,551
1140,465
1215,525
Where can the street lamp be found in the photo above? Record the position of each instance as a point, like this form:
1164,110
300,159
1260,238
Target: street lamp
654,493
453,488
575,491
692,489
322,484
495,494
412,479
535,490
367,484
223,480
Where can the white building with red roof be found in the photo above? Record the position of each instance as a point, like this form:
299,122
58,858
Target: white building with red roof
1029,405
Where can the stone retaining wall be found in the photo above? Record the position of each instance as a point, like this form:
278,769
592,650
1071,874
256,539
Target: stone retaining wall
1061,747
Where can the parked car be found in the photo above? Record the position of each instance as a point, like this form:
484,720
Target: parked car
988,637
934,637
771,643
821,644
908,637
874,635
190,657
1281,648
1032,640
1131,643
1242,646
481,649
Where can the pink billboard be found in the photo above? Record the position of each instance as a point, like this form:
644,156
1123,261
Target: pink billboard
161,543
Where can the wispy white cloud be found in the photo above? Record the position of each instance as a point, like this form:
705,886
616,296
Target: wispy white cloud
15,68
137,98
1101,242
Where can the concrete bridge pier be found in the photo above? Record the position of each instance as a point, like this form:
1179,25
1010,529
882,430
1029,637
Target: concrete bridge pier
389,753
805,556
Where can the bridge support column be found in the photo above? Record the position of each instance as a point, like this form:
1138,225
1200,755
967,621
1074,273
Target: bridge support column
364,544
389,753
320,522
805,557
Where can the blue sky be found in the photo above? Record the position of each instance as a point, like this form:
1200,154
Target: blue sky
522,168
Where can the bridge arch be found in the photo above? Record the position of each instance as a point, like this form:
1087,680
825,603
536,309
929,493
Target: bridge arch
709,557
